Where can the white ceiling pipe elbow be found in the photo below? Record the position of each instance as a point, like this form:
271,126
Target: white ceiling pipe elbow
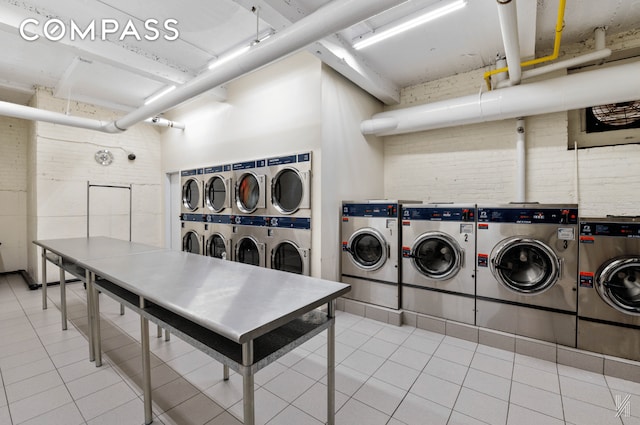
34,114
508,16
333,17
575,91
163,122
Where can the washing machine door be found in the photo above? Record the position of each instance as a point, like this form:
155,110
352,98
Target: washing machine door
217,193
217,246
437,255
618,283
289,190
525,266
368,248
191,194
191,242
289,257
250,192
249,251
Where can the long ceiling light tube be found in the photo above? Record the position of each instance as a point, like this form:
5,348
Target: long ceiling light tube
429,14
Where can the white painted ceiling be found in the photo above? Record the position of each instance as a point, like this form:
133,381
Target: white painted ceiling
122,73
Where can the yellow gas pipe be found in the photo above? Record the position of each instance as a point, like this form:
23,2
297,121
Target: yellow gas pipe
554,55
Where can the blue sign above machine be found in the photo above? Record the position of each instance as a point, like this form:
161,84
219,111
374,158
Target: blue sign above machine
439,214
192,217
289,159
218,218
196,171
622,230
249,165
217,169
528,216
370,210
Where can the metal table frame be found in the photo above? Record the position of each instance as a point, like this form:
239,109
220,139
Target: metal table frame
246,351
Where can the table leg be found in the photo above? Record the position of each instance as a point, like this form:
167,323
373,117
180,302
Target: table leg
146,367
90,318
95,300
63,295
121,309
167,335
159,332
225,372
247,384
331,365
44,278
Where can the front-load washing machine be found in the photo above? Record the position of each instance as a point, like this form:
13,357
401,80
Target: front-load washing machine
609,289
192,236
249,235
370,260
527,267
289,244
218,236
290,185
218,189
250,191
192,201
438,260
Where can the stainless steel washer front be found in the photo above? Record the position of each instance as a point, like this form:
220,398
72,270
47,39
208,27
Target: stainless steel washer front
289,244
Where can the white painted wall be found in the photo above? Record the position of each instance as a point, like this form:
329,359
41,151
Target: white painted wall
352,164
476,163
61,161
13,194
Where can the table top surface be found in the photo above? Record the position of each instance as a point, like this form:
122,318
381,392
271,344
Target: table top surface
235,300
76,249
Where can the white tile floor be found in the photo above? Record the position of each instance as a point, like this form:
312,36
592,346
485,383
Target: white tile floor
384,375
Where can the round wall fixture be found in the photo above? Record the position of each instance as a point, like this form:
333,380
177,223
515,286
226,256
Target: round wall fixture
104,157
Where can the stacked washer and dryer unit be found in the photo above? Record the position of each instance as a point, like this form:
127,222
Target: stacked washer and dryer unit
256,212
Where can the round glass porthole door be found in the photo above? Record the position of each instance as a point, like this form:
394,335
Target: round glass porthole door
215,193
247,251
525,266
287,191
286,257
217,246
368,249
248,193
618,283
436,255
191,242
191,194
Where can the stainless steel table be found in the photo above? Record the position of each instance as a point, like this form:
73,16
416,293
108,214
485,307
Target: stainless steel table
67,254
243,316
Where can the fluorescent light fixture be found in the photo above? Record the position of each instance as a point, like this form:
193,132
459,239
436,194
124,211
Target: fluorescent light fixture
158,95
429,15
228,57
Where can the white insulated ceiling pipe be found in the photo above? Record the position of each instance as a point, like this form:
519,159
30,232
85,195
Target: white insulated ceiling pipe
508,16
335,16
581,90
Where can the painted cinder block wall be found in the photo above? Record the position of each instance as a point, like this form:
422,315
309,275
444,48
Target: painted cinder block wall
61,162
476,163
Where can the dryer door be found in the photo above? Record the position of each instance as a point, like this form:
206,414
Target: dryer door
250,251
290,190
288,257
368,248
437,255
191,242
618,283
525,266
217,247
250,192
217,193
191,194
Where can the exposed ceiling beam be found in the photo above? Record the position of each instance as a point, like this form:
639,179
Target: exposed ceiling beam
333,51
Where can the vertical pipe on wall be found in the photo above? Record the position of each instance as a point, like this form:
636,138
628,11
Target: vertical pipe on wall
508,17
521,166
